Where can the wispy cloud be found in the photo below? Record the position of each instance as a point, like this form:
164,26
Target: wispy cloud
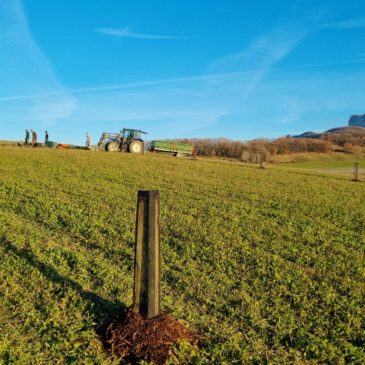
132,85
25,70
191,104
260,55
174,111
128,33
235,86
250,64
352,23
212,79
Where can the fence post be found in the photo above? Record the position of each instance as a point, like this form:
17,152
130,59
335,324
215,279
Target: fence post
193,155
261,160
356,172
147,255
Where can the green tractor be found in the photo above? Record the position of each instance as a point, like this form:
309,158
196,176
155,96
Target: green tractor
128,140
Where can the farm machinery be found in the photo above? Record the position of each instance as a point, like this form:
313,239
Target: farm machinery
128,140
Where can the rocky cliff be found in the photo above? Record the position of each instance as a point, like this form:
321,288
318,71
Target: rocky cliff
357,120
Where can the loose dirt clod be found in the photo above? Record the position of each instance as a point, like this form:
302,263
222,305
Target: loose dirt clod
133,338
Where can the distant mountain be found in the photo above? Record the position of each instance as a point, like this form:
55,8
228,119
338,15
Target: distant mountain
357,120
355,130
349,129
355,126
308,134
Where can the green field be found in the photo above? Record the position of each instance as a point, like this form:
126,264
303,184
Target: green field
331,166
267,266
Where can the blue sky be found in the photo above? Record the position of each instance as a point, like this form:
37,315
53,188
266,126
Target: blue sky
184,68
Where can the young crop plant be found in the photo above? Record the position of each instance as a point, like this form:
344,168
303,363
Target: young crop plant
266,266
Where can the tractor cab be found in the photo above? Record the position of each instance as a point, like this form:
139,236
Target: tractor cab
131,134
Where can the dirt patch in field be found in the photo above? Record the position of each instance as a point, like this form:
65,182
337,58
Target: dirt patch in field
133,338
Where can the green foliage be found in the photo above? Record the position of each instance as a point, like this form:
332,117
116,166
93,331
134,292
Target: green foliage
266,265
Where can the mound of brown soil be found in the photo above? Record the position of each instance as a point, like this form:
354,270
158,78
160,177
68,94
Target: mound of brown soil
133,338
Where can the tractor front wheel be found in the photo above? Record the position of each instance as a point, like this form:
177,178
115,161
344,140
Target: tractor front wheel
136,147
112,147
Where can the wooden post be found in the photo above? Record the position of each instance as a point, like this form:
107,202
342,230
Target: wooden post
356,172
261,160
193,155
147,255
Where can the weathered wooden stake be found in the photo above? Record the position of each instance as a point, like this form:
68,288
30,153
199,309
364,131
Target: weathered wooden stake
356,172
261,160
193,155
147,255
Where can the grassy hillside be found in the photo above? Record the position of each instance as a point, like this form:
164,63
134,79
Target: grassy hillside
330,164
332,157
267,266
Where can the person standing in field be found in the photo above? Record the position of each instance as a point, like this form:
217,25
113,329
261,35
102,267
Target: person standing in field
34,137
46,139
27,135
88,140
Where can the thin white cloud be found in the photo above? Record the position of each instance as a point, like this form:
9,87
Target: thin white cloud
210,78
191,103
123,86
260,55
352,23
25,70
181,105
128,33
174,110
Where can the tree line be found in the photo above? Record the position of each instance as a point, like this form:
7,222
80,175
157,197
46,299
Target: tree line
252,151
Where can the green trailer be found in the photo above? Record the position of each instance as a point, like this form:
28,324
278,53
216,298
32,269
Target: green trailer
172,148
50,144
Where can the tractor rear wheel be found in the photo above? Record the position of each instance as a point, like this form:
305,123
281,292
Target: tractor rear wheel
112,147
136,147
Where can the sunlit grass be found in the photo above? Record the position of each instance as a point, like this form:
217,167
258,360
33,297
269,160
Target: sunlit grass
266,265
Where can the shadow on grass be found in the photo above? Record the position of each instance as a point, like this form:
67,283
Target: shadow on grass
102,309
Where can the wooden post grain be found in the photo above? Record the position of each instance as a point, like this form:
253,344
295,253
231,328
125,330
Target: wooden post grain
147,255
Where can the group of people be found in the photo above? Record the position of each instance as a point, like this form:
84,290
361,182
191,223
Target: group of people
46,138
34,137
